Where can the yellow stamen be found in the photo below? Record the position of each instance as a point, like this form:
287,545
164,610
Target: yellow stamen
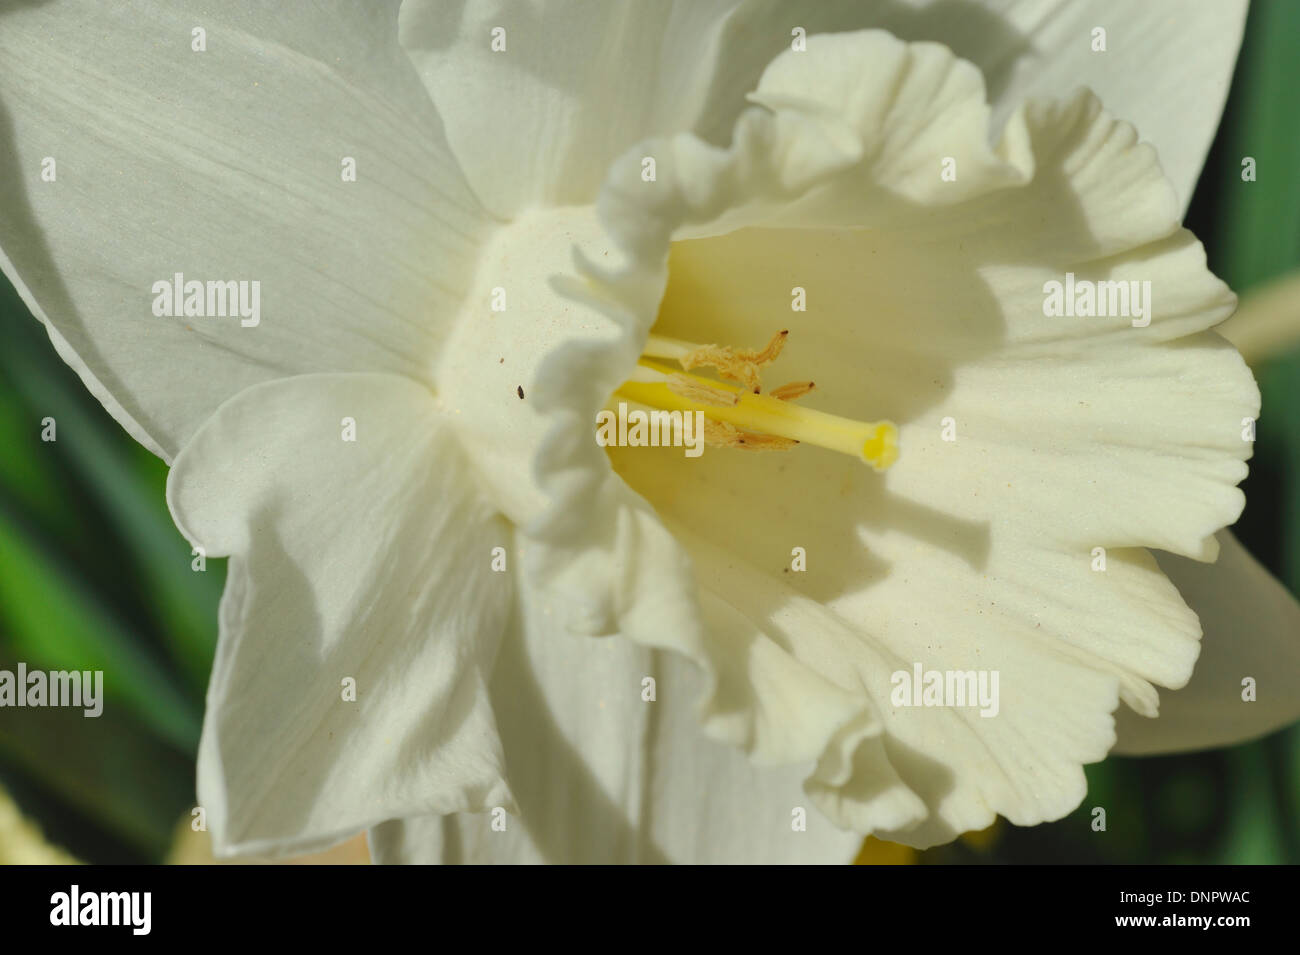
793,391
735,364
690,388
719,434
661,346
659,386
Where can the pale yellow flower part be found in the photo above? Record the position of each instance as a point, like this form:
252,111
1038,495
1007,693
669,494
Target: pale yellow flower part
1267,322
878,852
194,847
21,841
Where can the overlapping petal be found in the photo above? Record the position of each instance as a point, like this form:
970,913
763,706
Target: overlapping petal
1166,65
226,164
1245,679
607,765
361,614
559,88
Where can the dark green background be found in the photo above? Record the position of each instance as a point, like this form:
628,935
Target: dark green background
92,571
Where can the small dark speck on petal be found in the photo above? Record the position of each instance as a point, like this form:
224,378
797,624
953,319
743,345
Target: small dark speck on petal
520,391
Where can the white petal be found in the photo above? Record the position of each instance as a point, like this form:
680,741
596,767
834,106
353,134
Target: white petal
603,776
522,386
225,165
926,303
1166,68
577,84
365,560
538,122
1252,629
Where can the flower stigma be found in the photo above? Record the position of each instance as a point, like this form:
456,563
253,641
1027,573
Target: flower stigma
736,412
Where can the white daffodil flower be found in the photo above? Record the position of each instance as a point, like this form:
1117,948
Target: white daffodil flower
474,226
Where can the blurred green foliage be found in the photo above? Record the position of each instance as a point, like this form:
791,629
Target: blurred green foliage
93,574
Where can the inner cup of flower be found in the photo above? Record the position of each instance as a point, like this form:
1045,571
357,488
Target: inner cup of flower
867,324
738,401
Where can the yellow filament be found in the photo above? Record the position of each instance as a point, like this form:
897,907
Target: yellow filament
875,442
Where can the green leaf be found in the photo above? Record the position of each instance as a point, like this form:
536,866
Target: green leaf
128,485
52,623
1259,222
108,770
